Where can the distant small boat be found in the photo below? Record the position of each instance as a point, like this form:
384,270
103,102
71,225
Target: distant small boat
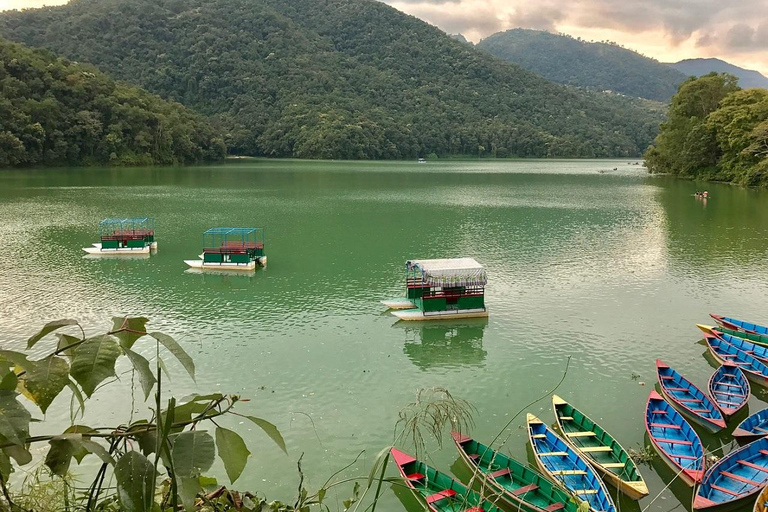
591,440
517,484
437,490
735,478
422,160
752,428
761,505
124,237
565,466
690,400
675,439
729,388
741,325
723,351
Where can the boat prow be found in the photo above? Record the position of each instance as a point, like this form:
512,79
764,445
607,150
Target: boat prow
706,329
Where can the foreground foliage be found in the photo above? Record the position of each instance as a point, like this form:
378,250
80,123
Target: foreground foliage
335,79
593,65
55,112
715,131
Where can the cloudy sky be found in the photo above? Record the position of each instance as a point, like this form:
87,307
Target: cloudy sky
668,30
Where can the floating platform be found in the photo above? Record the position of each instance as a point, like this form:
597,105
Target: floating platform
97,250
419,315
400,303
229,267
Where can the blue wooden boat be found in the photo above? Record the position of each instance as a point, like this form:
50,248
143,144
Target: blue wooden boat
759,352
689,400
675,440
753,368
740,325
736,478
563,465
729,388
752,428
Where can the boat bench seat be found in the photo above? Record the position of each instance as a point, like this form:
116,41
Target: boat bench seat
667,377
686,457
584,491
554,507
500,473
694,400
676,389
580,434
753,466
665,425
524,489
447,493
700,410
614,464
728,393
739,478
566,472
415,476
723,489
590,449
760,429
474,456
569,418
539,436
659,411
764,452
553,454
673,441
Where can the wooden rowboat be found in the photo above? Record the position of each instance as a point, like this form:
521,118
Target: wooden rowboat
688,399
729,388
739,325
759,352
754,369
675,440
735,478
757,339
752,428
564,465
438,491
518,485
761,505
585,436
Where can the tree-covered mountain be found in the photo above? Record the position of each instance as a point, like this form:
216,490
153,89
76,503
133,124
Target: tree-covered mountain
599,66
335,79
715,131
700,67
55,112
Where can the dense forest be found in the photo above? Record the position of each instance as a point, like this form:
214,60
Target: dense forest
335,79
599,66
715,131
55,112
700,67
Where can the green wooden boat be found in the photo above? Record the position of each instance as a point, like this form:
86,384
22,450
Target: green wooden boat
602,451
521,487
437,490
758,339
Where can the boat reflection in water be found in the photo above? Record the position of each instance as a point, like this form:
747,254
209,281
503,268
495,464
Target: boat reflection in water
444,344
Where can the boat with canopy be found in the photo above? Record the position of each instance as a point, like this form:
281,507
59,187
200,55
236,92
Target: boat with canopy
442,288
236,249
124,236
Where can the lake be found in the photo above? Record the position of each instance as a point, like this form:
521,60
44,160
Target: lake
613,270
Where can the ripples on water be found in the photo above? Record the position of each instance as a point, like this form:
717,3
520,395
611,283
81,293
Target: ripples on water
611,269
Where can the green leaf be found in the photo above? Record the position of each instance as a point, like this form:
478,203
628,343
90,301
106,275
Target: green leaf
135,477
188,489
175,349
208,484
129,329
44,380
14,418
65,342
5,466
19,453
321,496
141,365
79,451
193,452
49,328
16,358
232,451
61,452
381,458
8,379
271,431
76,394
98,450
94,362
147,438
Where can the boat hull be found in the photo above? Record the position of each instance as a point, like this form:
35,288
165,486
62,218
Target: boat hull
228,267
729,389
419,315
753,376
735,479
670,380
96,250
398,304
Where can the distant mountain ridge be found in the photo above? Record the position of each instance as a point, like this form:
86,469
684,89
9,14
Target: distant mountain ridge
699,67
335,79
598,66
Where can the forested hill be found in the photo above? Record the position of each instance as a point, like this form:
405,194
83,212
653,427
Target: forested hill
55,112
600,66
700,67
335,79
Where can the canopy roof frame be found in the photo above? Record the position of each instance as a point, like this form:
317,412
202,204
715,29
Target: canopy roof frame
448,272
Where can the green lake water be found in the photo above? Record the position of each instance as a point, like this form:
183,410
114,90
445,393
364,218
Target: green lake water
612,270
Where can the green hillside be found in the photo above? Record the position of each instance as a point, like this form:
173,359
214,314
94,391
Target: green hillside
55,112
599,66
335,79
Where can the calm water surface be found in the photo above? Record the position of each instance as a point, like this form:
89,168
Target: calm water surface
610,269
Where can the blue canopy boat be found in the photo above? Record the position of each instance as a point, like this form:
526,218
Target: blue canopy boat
752,428
563,465
735,478
741,325
729,388
723,351
676,441
690,400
